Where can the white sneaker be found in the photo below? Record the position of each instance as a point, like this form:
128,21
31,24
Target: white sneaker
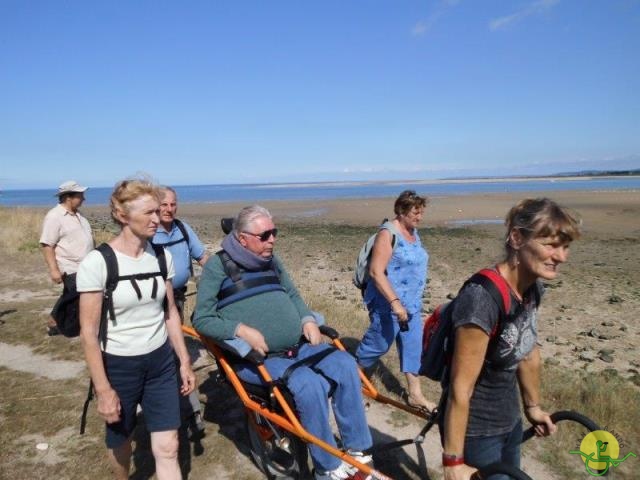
346,471
359,457
343,472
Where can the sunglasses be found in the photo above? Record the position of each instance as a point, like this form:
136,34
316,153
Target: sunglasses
264,236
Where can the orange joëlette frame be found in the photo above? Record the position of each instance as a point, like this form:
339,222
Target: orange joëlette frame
289,421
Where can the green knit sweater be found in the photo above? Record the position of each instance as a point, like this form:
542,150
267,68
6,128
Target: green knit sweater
277,315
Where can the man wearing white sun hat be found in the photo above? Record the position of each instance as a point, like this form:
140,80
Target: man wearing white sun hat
66,239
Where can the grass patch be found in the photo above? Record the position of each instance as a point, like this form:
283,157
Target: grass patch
20,229
608,399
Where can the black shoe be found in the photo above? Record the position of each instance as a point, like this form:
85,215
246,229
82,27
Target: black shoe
53,330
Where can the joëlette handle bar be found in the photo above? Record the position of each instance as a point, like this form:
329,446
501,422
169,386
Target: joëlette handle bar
565,415
516,473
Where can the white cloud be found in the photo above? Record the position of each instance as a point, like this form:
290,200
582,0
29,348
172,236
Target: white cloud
423,26
419,29
534,8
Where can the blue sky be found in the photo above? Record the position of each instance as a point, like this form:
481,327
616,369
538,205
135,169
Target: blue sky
199,92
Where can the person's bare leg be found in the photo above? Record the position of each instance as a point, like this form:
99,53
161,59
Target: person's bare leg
120,460
415,396
164,446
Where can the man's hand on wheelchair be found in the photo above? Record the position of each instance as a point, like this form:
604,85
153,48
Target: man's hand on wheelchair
253,337
312,333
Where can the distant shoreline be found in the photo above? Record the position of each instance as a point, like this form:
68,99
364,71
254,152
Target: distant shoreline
322,191
348,183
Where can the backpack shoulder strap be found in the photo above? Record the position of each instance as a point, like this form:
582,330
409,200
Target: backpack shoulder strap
162,259
387,225
185,236
112,266
162,263
182,229
110,285
498,288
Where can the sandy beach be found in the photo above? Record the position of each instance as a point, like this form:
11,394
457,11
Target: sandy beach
588,323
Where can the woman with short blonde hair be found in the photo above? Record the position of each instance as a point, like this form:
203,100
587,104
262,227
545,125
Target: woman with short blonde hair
133,362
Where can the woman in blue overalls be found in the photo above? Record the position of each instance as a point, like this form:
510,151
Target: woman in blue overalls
393,296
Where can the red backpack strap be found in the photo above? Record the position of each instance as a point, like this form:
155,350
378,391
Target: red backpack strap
501,284
499,290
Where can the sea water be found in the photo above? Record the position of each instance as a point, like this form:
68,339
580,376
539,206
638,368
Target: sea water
251,193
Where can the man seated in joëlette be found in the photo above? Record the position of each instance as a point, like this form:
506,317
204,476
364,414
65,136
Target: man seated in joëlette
271,319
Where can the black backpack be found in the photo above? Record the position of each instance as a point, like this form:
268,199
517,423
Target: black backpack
66,311
113,278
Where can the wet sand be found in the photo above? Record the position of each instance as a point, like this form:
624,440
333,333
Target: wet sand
615,213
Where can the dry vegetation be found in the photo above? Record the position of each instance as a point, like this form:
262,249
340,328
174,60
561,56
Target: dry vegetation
598,290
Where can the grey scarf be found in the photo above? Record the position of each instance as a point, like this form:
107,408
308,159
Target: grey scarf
244,257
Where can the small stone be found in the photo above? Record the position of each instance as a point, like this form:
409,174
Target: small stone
607,324
587,356
42,446
605,336
615,299
451,296
593,333
551,339
606,351
623,328
606,358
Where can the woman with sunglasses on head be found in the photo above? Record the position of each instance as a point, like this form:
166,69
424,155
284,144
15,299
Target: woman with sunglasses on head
133,363
398,270
492,363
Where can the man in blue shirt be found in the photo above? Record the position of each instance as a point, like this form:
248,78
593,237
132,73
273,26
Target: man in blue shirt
181,241
185,246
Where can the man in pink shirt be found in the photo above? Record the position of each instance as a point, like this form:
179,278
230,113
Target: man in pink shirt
66,239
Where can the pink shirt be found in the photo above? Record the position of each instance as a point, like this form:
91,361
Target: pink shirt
70,236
